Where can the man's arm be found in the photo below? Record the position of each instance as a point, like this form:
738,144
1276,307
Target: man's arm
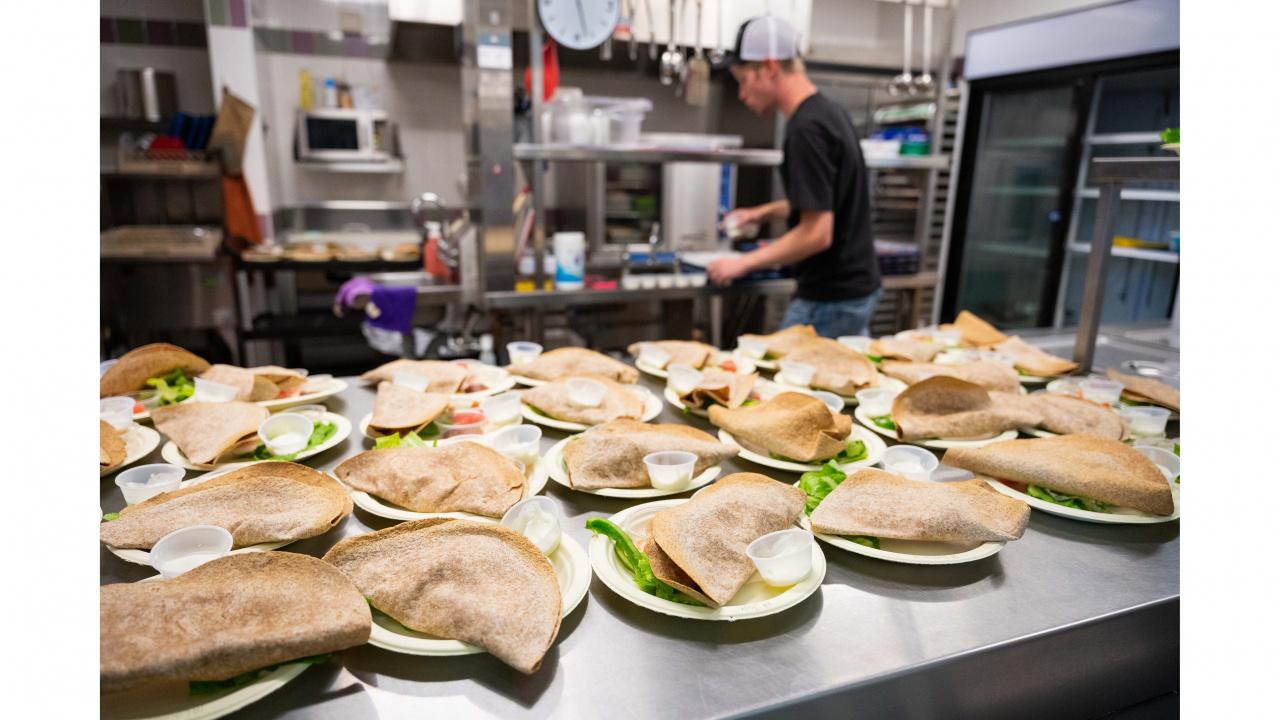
810,237
776,210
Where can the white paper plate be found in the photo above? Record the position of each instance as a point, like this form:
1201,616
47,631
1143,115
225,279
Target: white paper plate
765,364
174,456
913,552
334,387
940,444
364,428
558,470
1033,379
171,701
1121,516
1037,432
652,408
497,380
139,441
875,451
143,557
527,381
573,570
754,600
645,367
387,509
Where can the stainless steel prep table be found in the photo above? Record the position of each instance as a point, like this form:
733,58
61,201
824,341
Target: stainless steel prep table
1073,620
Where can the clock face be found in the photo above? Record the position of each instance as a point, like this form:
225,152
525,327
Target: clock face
579,24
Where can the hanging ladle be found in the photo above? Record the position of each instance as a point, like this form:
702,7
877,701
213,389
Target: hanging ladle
901,84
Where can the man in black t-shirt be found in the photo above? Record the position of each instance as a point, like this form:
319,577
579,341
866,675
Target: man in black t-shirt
828,205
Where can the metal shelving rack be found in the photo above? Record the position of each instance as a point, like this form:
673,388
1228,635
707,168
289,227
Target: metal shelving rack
1110,174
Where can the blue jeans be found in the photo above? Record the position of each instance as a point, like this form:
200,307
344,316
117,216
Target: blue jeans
833,319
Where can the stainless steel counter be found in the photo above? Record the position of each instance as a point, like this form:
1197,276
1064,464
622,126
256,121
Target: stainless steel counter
1073,620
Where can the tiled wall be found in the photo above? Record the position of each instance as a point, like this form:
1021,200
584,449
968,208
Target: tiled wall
163,33
230,13
312,42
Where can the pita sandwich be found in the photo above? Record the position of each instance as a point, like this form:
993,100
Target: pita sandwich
445,377
700,547
204,431
226,617
260,503
720,387
553,399
1034,360
478,582
612,455
786,340
688,352
284,378
1067,415
454,477
132,371
921,351
884,505
575,361
111,446
987,374
837,367
250,386
1085,465
947,407
401,410
790,424
1146,389
974,331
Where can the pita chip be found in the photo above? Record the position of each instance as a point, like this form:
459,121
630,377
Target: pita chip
445,377
1146,389
111,446
947,407
132,371
575,361
988,374
1034,360
837,367
791,424
400,410
204,431
453,477
553,399
612,455
974,331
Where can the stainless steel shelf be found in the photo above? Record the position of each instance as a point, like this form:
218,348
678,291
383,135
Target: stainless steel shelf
1167,256
385,168
644,154
1134,138
1136,194
910,162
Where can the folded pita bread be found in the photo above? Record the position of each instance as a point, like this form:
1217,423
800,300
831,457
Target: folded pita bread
884,505
791,424
553,399
1068,415
575,361
1146,389
455,477
478,582
720,387
401,410
837,367
445,377
921,351
204,431
947,407
1093,467
282,377
1034,360
250,386
688,352
786,340
260,503
975,332
132,371
111,446
700,547
989,375
226,617
612,455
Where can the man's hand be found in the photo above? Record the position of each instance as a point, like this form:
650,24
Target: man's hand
726,270
740,217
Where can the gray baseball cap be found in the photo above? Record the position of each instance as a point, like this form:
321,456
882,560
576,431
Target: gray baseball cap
762,38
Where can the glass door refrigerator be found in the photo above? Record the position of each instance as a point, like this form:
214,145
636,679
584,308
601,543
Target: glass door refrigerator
1023,213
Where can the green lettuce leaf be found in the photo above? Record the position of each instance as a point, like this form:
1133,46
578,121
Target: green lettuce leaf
319,434
111,516
174,387
1170,135
854,450
884,421
1072,501
208,687
411,439
818,484
637,563
866,540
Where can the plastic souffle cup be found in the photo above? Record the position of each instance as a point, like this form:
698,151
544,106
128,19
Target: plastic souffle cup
753,347
653,356
876,402
682,378
947,337
670,469
189,547
523,352
861,343
518,442
585,392
795,374
1146,420
1169,464
537,518
117,411
419,383
783,558
455,422
213,392
909,461
830,399
1100,390
501,410
1003,358
286,433
139,484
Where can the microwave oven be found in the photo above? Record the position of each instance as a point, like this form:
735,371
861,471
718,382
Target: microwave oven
344,135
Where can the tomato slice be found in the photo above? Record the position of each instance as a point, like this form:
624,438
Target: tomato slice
291,392
466,418
139,408
729,366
